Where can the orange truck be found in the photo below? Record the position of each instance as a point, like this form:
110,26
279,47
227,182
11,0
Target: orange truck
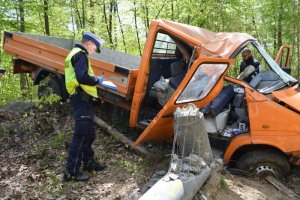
256,124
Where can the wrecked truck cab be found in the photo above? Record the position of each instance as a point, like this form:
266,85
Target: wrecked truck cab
251,129
271,76
256,137
243,119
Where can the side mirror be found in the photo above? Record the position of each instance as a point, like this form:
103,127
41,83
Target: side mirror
283,58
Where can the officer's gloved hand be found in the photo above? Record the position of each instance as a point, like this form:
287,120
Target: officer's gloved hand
100,79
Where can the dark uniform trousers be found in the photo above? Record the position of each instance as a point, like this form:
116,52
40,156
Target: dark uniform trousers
84,132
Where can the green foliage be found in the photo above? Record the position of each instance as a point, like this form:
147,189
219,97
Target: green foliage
5,131
223,183
49,100
10,83
57,142
51,184
47,160
132,167
17,195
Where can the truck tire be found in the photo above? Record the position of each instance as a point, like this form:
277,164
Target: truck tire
49,86
262,163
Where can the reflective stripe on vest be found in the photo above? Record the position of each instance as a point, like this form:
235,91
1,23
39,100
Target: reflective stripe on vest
70,77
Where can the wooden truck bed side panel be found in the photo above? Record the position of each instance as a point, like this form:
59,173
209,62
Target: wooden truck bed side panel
34,52
52,58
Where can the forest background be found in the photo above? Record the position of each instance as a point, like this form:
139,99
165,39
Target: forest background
124,25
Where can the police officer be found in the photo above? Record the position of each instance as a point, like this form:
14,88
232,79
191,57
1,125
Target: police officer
81,86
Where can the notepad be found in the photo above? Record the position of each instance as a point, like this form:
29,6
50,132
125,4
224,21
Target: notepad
109,85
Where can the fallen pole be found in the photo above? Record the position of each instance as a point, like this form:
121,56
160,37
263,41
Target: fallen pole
172,187
119,135
189,164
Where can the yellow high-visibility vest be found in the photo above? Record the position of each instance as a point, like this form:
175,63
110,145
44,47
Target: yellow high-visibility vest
70,77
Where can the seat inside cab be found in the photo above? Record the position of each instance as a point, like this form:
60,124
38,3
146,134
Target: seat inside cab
178,71
168,66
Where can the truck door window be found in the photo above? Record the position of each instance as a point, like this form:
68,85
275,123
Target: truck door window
203,80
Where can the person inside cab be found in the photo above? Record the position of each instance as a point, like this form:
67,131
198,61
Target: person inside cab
249,67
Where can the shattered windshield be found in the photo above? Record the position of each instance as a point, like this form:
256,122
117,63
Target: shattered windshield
288,79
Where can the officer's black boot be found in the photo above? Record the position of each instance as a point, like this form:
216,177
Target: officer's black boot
93,165
77,177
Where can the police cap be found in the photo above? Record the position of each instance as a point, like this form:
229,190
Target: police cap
92,37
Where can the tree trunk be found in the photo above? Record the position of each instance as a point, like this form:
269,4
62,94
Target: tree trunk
83,13
172,10
22,29
22,16
159,11
146,17
46,17
72,17
110,20
92,17
107,24
274,40
298,38
78,19
136,27
279,24
121,28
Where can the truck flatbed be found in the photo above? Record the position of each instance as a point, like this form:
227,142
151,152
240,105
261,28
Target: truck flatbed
120,59
50,52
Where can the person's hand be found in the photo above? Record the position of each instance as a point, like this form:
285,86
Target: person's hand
100,79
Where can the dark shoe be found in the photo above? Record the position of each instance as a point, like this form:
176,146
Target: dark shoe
93,165
78,177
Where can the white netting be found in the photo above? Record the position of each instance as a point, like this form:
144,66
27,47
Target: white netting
163,90
191,148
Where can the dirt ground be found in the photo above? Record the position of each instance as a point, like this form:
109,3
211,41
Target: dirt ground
33,147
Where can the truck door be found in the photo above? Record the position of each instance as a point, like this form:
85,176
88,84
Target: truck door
202,84
283,58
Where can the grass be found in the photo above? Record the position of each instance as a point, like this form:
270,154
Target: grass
17,195
133,167
51,185
223,183
57,142
5,130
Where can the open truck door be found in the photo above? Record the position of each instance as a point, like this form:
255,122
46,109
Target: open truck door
283,58
201,85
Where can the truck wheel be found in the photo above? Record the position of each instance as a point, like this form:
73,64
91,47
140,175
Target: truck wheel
262,163
47,87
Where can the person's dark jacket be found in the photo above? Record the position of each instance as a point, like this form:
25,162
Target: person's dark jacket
251,61
80,64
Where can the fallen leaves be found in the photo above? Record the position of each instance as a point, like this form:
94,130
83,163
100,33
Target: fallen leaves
33,157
